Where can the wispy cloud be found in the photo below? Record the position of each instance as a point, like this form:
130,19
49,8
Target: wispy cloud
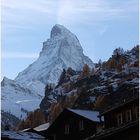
78,10
32,5
19,13
19,55
65,11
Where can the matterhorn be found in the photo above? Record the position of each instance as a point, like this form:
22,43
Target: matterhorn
61,51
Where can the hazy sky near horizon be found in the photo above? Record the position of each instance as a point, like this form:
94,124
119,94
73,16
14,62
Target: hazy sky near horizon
100,25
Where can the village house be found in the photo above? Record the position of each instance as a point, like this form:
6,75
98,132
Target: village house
72,124
121,121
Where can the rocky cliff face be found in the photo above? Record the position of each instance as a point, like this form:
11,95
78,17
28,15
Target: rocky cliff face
110,82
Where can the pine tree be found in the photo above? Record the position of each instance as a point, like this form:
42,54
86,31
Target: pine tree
86,71
21,125
7,127
117,52
121,63
48,88
33,119
100,63
69,71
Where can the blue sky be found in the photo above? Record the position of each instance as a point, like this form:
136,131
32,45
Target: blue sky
100,25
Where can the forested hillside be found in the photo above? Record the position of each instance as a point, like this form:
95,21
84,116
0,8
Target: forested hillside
93,89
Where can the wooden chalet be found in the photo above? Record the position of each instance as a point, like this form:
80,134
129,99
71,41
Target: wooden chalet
121,122
72,124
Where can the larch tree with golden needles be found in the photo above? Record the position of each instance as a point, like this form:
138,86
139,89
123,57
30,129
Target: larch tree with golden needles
86,71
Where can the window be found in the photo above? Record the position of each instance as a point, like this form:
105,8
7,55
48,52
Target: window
119,119
128,115
81,125
137,112
67,129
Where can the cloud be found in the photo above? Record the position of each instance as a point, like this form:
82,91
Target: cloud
27,12
97,10
32,5
19,55
65,11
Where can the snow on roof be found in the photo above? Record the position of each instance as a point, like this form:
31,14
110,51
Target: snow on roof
42,127
24,130
21,135
91,115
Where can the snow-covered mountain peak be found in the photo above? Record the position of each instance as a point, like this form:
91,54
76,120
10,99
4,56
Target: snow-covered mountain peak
60,31
57,30
60,38
61,51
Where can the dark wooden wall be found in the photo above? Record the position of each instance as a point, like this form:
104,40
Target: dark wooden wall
57,129
110,118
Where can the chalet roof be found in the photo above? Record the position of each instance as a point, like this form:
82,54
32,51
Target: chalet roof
91,115
42,127
21,135
27,129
